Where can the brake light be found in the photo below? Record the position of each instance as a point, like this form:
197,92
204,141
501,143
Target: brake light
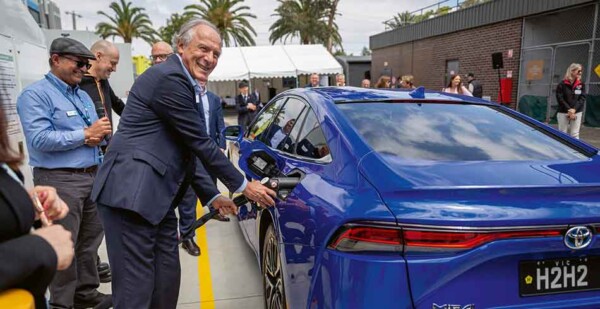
465,240
368,238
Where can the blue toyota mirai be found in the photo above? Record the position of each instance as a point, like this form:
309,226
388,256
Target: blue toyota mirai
419,200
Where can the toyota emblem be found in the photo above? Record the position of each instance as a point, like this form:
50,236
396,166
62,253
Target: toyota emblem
578,237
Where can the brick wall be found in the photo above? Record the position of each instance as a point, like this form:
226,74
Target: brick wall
473,48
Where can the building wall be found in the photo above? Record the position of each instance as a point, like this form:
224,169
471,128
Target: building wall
426,59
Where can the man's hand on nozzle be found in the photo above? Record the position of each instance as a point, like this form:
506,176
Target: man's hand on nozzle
259,193
225,206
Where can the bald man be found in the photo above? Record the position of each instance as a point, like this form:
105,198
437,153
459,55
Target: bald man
95,82
160,52
366,83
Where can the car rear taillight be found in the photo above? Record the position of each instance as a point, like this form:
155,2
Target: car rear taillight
419,239
368,238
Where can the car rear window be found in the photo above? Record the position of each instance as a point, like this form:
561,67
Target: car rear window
452,132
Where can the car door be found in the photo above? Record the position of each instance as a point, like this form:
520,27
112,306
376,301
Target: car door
274,133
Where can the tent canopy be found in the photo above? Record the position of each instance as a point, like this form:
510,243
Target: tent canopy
237,63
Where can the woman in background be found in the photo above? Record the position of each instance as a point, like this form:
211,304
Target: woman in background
384,82
570,95
455,86
28,259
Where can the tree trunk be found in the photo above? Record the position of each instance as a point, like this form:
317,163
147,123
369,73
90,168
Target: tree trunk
332,10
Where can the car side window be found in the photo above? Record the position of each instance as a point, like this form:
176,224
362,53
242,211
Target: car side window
311,140
264,119
277,134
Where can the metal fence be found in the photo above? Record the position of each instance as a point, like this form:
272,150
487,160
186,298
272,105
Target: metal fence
551,42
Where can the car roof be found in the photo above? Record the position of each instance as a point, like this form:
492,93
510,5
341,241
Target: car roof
356,94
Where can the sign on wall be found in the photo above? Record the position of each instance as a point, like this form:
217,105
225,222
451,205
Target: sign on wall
534,69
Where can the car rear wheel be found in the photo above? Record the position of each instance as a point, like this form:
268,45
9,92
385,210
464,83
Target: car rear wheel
271,270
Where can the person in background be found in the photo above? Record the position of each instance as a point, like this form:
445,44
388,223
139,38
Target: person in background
366,83
246,105
474,86
213,118
257,99
95,84
28,260
384,82
406,82
340,80
313,81
63,135
124,99
570,95
160,52
455,86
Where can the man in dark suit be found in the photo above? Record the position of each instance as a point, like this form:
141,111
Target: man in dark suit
213,115
246,105
147,170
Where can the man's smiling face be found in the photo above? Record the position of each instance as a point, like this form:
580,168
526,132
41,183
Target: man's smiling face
201,55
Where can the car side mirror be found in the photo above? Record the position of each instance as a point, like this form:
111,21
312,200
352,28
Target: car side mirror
233,133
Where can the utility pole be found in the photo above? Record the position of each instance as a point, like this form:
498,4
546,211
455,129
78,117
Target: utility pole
75,15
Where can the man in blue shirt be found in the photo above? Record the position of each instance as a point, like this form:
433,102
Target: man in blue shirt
63,135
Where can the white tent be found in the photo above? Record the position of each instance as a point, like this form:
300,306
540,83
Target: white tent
237,63
231,67
310,59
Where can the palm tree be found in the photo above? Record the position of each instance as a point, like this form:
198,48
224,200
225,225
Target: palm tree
173,25
401,19
128,22
312,21
232,22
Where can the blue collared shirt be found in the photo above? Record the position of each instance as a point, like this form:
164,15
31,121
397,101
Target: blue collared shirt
206,107
52,125
198,90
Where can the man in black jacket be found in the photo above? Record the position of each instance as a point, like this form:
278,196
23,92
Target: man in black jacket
95,83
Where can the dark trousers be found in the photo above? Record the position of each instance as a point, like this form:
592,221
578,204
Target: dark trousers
187,211
144,259
80,281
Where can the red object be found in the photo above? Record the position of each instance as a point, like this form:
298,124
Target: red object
466,240
506,85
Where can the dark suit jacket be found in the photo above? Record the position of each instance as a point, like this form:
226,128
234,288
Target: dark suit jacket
158,137
217,123
245,116
26,261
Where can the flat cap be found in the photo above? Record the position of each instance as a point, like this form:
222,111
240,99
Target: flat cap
243,84
71,47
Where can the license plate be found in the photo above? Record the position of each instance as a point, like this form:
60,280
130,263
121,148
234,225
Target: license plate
559,276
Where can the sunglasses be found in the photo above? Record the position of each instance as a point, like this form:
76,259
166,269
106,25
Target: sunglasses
80,63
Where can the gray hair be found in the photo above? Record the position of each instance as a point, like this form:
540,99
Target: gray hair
573,66
187,31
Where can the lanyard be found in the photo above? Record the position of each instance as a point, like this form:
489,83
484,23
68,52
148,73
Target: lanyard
85,117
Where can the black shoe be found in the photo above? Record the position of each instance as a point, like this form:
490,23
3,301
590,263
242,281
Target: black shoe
101,301
104,272
190,246
220,217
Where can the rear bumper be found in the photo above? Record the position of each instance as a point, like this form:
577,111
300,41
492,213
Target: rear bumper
360,281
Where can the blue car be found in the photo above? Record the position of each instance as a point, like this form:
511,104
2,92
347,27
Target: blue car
419,200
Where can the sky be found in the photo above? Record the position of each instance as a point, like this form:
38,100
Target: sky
358,19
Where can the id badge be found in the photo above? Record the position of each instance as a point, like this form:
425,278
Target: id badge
578,92
71,113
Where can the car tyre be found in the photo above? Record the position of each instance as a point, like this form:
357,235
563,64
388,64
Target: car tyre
274,289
